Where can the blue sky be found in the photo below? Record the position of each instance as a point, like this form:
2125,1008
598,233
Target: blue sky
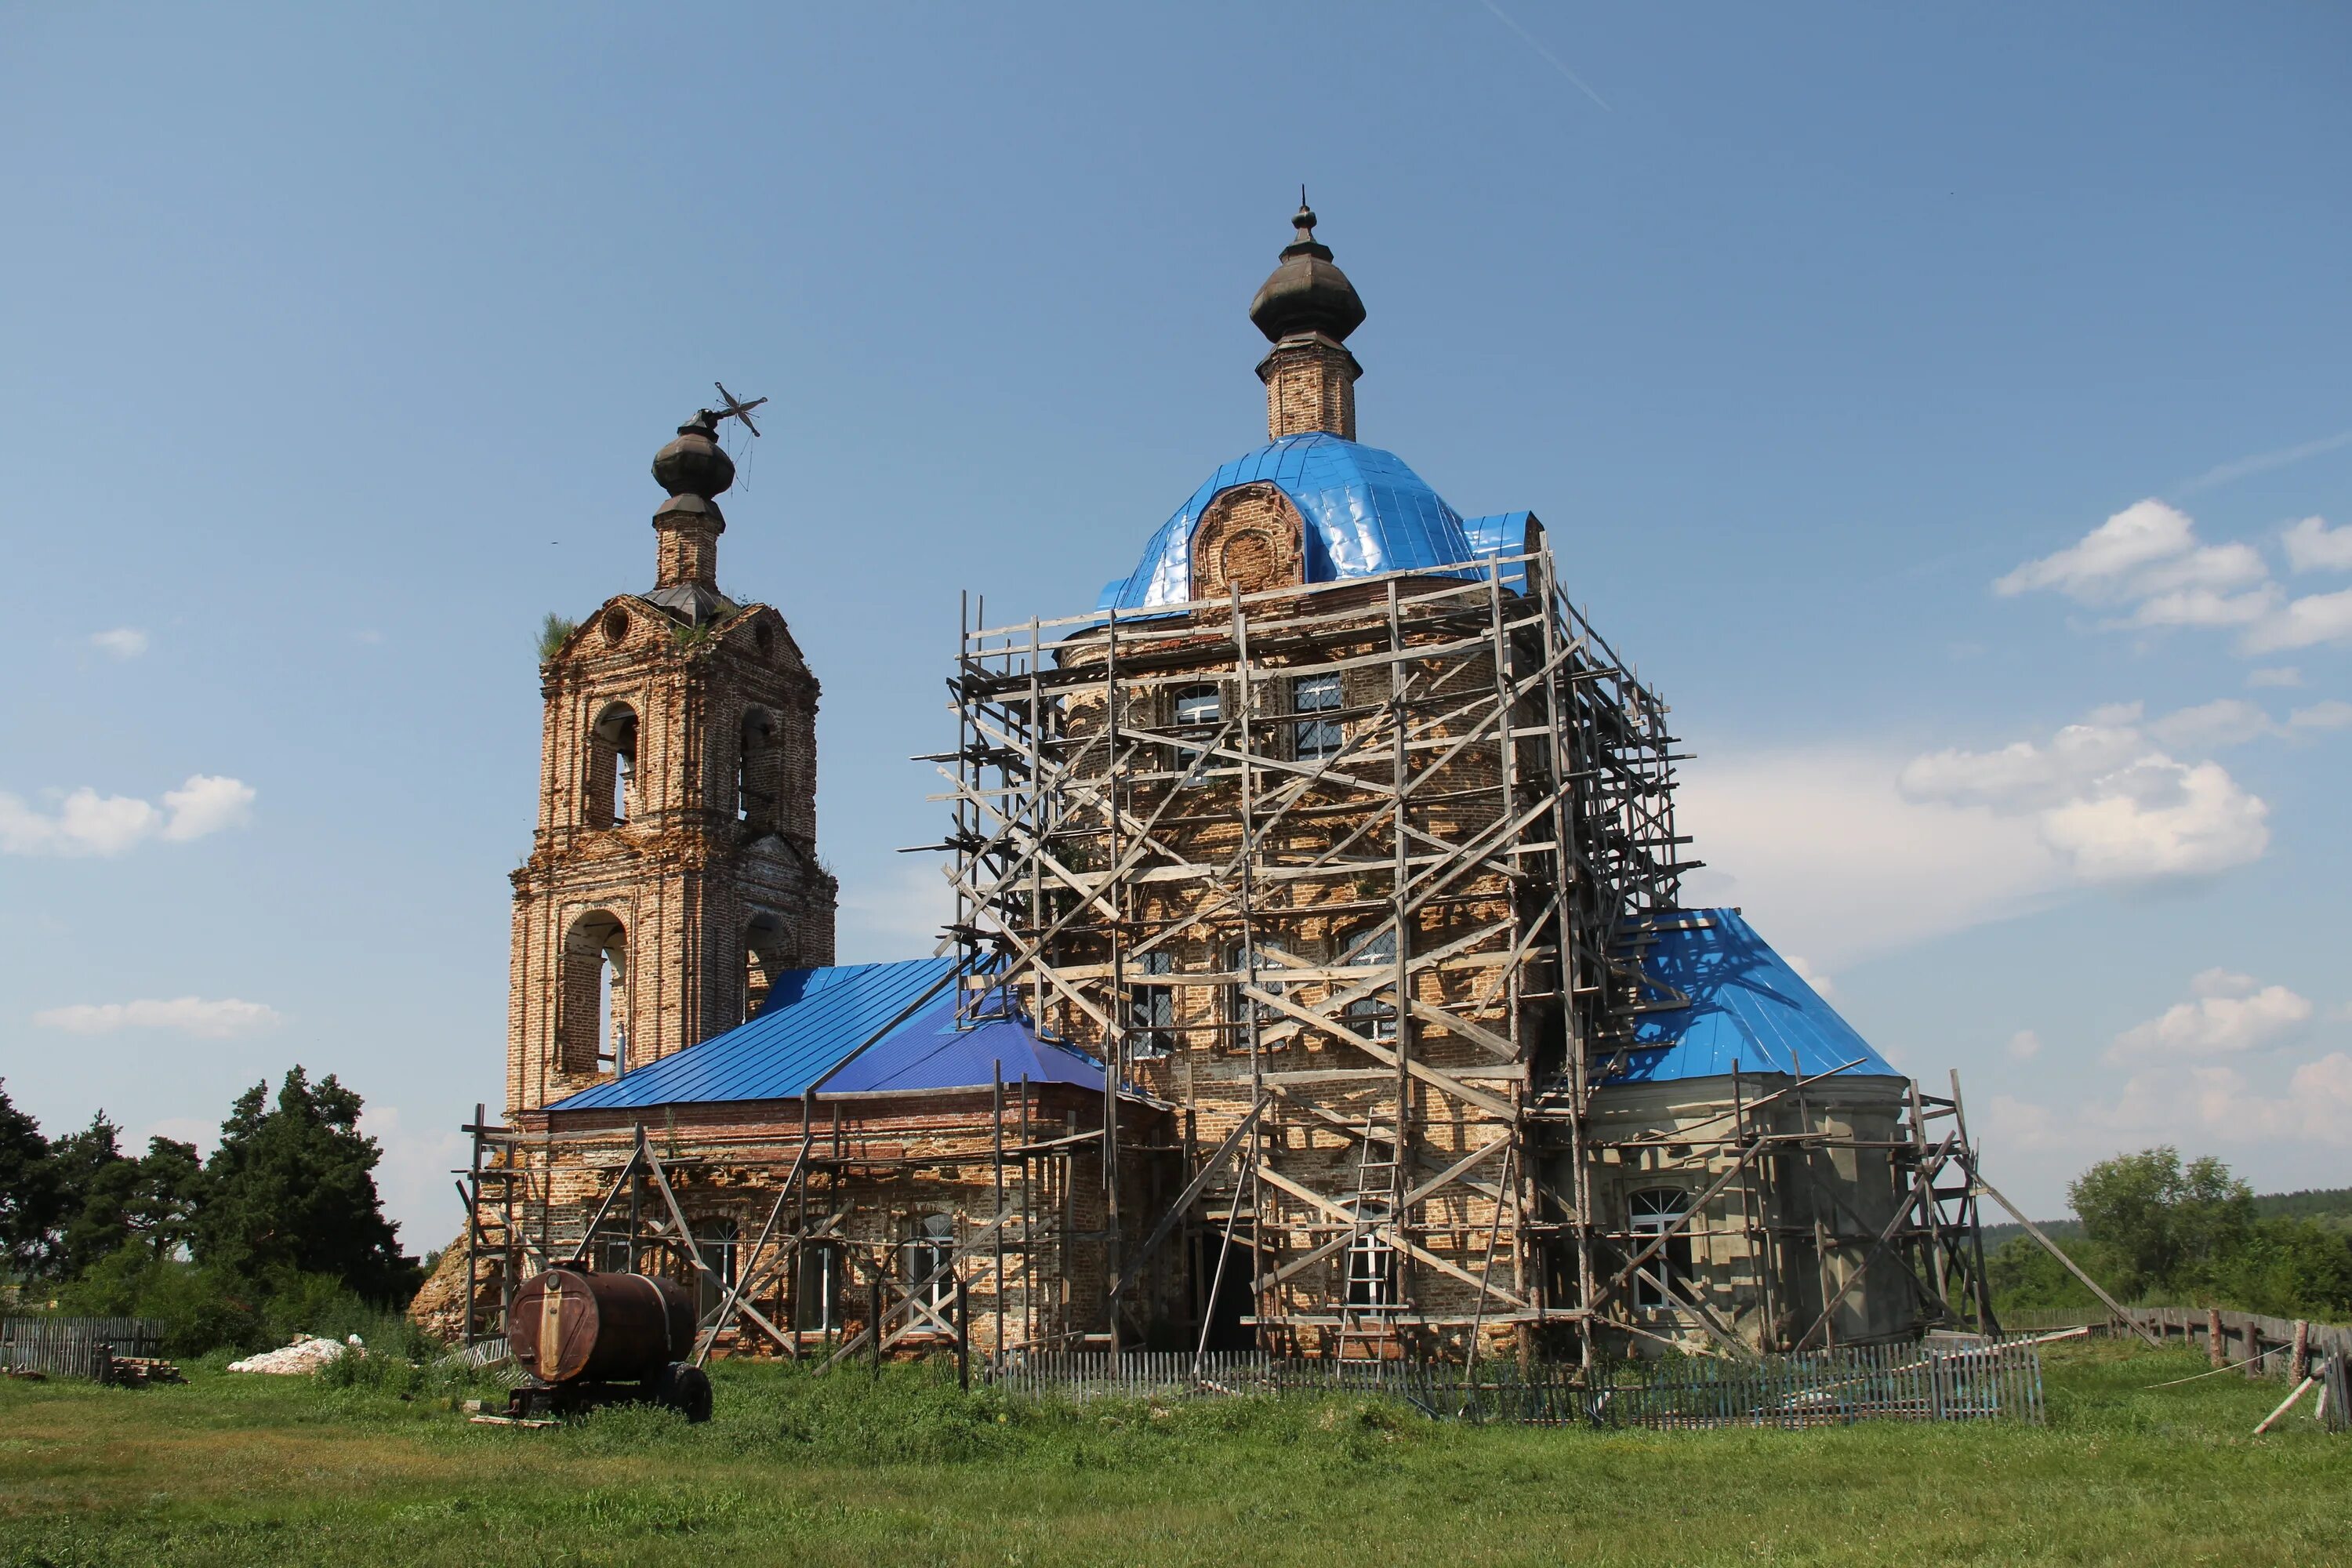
338,340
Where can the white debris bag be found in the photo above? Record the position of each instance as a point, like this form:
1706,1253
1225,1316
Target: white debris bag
303,1354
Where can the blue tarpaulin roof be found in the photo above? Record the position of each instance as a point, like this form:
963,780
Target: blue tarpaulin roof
814,1020
1366,513
1747,1006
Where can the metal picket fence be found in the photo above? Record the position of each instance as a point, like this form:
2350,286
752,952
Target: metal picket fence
74,1347
1944,1382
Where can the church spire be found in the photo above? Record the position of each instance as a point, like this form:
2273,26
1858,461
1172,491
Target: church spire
1307,308
695,469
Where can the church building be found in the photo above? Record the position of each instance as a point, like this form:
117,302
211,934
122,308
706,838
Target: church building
1320,980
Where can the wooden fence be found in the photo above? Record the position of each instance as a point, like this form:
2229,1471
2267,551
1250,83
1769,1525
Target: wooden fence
75,1347
1951,1382
2264,1345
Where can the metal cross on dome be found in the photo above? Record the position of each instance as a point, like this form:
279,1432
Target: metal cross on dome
735,409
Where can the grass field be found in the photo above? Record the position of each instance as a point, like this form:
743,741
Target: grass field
231,1469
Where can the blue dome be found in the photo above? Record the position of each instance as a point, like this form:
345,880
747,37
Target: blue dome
1366,513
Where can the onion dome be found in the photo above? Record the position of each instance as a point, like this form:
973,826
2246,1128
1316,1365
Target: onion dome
694,468
1306,293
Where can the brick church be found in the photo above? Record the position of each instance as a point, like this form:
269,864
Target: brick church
1320,981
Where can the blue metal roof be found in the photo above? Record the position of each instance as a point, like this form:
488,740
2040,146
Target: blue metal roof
1748,1008
810,1032
1500,533
1366,513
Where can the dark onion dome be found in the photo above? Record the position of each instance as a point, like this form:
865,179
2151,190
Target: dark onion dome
694,465
1306,293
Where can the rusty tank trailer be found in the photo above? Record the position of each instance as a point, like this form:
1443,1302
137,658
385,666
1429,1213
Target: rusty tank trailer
585,1339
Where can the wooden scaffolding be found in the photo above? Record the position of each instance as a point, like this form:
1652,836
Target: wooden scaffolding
801,1232
1357,878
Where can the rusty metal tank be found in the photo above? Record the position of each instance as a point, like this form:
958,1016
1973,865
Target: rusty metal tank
570,1326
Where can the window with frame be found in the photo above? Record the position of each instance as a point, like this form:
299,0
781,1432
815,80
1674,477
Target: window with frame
928,1253
718,1241
1373,1017
1197,710
1234,1011
816,1297
1312,735
1372,1275
1649,1214
1151,1009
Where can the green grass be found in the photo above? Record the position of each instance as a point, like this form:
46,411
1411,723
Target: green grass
847,1470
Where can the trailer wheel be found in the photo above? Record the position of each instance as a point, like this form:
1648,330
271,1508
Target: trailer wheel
685,1388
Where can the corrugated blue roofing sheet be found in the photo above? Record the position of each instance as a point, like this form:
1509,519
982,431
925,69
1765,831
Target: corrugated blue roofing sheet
1366,513
1748,1008
815,1021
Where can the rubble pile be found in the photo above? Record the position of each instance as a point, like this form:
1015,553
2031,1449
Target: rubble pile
303,1354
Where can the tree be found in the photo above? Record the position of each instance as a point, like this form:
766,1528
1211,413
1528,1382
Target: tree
29,1194
2168,1225
95,1185
292,1189
162,1209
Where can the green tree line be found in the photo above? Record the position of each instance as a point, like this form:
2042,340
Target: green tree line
281,1228
2157,1229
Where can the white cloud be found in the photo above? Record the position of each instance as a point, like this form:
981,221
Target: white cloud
2283,675
207,803
1822,984
2024,1045
88,823
2159,818
2313,546
2147,558
2096,568
2204,1104
2112,806
2307,622
2204,608
2228,1014
1831,860
84,823
2331,714
2229,721
187,1014
2022,775
123,642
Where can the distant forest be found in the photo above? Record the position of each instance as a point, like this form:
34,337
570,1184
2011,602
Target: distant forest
2331,1207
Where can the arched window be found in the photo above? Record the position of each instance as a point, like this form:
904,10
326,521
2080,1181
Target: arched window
1151,1009
1373,1017
759,773
591,1013
1314,736
1648,1213
927,1252
763,960
610,785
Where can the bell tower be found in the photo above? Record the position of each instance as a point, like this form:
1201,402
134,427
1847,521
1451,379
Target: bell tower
673,872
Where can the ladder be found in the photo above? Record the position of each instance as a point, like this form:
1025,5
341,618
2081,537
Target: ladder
1375,1202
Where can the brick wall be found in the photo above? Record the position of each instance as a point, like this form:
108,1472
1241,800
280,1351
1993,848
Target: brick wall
686,876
